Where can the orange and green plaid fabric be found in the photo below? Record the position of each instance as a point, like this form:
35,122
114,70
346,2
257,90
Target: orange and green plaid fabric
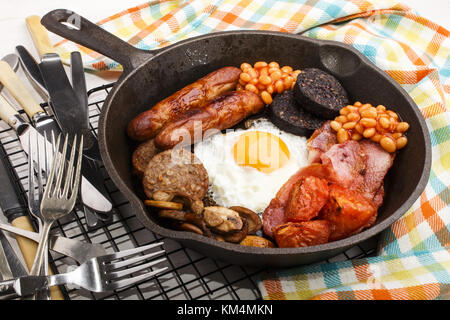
413,260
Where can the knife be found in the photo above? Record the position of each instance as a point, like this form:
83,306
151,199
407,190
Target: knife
77,250
10,265
16,212
90,196
26,133
13,267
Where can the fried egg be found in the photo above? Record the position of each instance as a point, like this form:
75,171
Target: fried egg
248,167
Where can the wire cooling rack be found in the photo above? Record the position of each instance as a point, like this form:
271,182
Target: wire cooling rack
190,275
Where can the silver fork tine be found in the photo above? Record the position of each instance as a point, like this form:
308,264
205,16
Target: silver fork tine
129,252
77,180
31,198
61,164
127,262
122,273
51,175
69,169
131,281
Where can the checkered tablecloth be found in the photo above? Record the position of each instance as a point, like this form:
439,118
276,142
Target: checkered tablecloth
413,260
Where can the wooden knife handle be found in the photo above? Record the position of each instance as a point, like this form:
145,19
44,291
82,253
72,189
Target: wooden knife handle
16,87
28,248
39,35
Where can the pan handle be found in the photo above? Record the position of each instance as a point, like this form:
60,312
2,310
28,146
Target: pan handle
74,27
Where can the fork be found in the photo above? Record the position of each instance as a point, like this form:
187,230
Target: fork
56,201
35,173
99,274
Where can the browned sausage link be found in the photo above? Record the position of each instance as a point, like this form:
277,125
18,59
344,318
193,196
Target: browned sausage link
196,95
222,113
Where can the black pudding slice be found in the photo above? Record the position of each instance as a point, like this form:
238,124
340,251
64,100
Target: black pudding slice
289,116
320,93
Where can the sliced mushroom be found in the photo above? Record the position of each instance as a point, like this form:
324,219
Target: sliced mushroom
255,241
164,204
237,236
162,196
253,219
185,226
222,220
173,214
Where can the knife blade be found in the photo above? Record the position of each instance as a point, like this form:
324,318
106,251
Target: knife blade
32,72
77,250
92,197
14,265
70,111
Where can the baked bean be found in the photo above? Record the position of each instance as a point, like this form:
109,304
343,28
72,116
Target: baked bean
388,144
275,75
251,87
369,113
369,132
342,135
266,97
359,128
260,64
375,123
272,70
335,125
402,127
384,122
368,122
349,125
401,142
265,80
353,116
268,77
288,81
344,111
279,85
245,77
252,72
274,64
341,119
381,108
260,86
376,138
245,65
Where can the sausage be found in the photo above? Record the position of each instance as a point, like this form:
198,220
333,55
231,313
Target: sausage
224,112
196,95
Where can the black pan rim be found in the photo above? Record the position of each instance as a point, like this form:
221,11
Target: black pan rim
137,203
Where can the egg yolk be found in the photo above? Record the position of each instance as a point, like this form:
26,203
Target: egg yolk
261,150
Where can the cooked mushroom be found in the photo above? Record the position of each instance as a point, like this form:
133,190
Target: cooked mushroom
222,220
185,226
172,214
255,241
164,204
237,236
162,196
253,219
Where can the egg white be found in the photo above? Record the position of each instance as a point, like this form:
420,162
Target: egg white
234,185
